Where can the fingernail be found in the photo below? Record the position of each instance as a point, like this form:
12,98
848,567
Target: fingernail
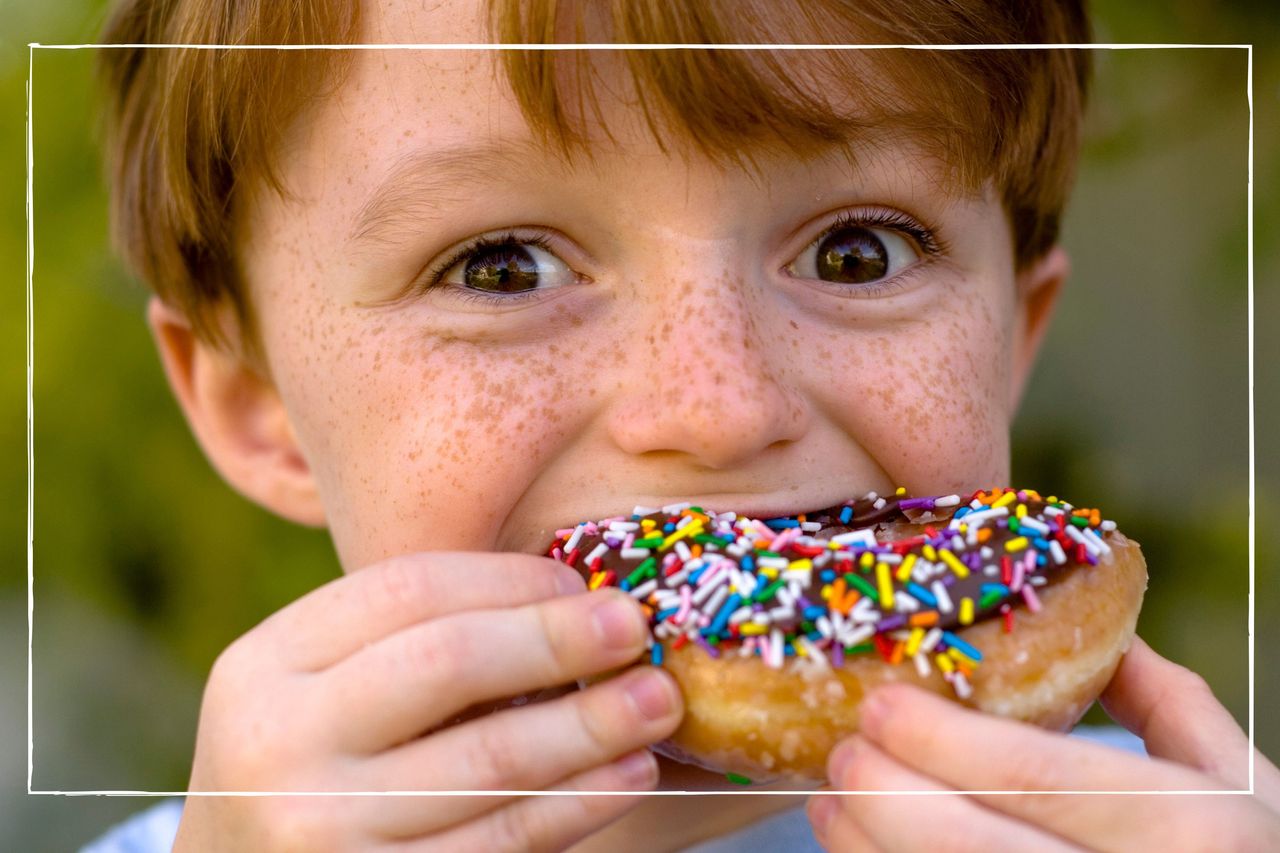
651,693
568,581
843,757
618,621
639,769
822,812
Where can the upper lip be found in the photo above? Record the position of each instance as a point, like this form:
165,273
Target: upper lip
753,506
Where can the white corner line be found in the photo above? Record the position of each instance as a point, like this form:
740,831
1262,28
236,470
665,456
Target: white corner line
33,46
31,460
628,46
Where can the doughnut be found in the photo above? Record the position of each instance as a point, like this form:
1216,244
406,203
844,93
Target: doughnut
1005,601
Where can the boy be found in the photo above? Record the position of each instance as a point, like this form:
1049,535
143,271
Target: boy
445,302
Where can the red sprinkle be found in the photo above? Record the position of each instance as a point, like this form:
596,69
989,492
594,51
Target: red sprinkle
573,557
1006,570
680,641
1008,618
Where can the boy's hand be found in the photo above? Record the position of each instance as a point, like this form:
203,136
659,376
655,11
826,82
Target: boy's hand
913,740
351,688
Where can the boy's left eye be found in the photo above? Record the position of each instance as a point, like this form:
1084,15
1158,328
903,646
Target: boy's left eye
858,252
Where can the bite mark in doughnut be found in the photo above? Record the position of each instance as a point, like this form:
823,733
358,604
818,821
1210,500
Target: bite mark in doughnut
774,629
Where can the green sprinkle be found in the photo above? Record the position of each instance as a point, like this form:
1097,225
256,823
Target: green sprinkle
651,542
768,592
860,649
768,554
1079,521
714,639
736,779
863,587
641,570
989,599
708,539
1014,526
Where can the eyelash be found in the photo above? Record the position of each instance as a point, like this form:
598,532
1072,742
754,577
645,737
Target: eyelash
925,237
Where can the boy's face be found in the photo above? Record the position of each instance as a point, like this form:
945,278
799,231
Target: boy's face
649,328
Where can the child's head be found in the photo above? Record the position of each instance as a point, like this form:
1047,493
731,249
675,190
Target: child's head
761,280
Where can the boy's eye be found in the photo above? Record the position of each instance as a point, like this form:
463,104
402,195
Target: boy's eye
855,253
507,266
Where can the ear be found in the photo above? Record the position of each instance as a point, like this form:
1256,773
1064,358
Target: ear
1038,287
238,419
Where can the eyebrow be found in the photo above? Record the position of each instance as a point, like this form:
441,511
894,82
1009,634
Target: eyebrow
421,183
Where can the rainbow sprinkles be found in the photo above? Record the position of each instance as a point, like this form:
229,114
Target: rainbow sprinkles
816,588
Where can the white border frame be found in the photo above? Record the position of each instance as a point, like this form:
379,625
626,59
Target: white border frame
33,46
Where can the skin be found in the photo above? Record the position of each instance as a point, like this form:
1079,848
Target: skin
441,441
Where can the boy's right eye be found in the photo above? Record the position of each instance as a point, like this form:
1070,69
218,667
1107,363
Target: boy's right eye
502,268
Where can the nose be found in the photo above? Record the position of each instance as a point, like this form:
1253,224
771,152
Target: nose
708,378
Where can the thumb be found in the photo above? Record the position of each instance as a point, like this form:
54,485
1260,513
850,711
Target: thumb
1173,710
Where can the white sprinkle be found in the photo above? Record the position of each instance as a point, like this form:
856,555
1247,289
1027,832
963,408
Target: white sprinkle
781,614
599,551
685,522
1097,540
713,606
990,571
735,550
740,615
860,635
944,597
1038,580
634,553
922,664
957,544
776,649
1052,511
704,592
1031,524
890,559
683,550
1055,551
931,639
961,685
772,562
810,526
644,589
864,538
644,510
575,538
679,577
761,618
879,504
985,553
949,500
672,509
1108,525
825,627
905,603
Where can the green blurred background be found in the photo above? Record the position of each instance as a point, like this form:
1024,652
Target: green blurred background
146,564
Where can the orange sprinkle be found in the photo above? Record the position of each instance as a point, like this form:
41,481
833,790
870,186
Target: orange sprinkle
984,534
923,619
895,657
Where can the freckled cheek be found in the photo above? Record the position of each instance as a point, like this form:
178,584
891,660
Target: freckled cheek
423,443
928,399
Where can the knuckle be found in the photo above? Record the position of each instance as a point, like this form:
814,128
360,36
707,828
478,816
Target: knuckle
399,583
434,649
493,762
513,828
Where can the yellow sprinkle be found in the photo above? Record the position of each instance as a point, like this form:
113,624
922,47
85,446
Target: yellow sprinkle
748,629
961,657
768,571
1021,511
1016,544
1005,499
867,560
693,528
834,546
596,580
885,587
647,524
913,642
953,563
902,490
1052,499
966,611
799,647
905,567
801,565
945,663
929,553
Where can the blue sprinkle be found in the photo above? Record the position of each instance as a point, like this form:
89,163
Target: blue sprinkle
846,514
814,612
789,650
953,640
722,617
782,523
748,563
668,528
624,586
1041,559
814,635
669,612
1040,543
697,573
995,587
827,576
655,654
962,512
922,594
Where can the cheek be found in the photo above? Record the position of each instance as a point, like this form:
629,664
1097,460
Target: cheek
928,399
425,442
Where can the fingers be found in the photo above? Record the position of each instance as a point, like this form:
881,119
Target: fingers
973,751
551,822
397,688
334,621
530,748
1173,710
939,821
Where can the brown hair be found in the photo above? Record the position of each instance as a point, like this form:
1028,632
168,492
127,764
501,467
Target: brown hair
189,131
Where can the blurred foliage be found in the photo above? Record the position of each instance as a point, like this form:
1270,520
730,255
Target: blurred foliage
146,564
